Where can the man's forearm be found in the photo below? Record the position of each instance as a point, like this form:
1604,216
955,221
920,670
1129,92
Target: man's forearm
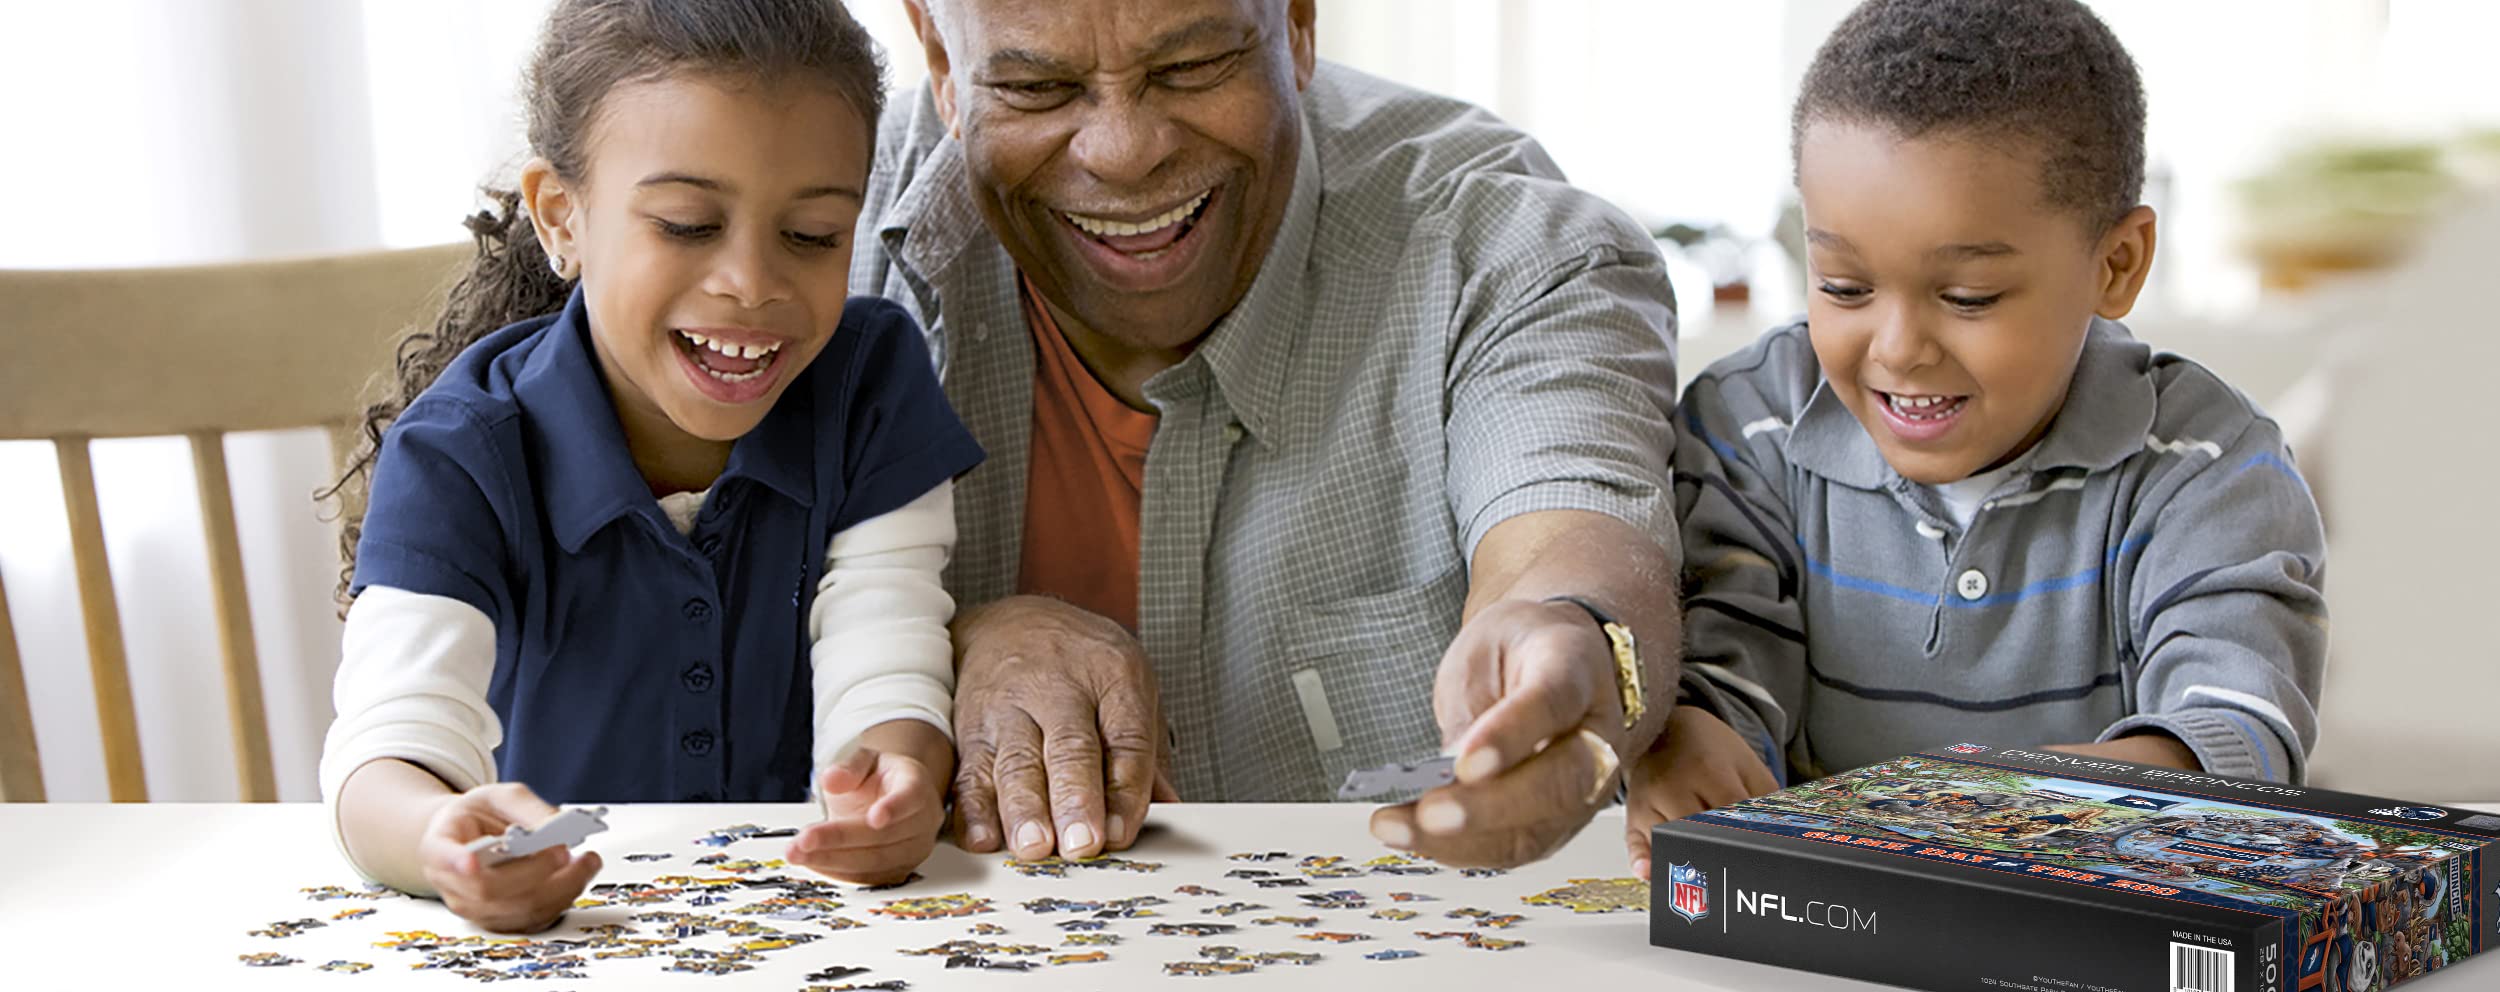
1537,556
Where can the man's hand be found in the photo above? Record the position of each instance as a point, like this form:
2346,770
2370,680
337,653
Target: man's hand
1700,763
523,895
1527,700
1058,731
883,805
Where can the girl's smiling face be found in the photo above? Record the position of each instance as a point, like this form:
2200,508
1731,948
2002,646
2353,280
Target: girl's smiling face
711,230
1947,299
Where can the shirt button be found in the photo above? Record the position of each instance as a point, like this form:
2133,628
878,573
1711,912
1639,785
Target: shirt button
1232,433
697,610
1972,585
697,677
698,743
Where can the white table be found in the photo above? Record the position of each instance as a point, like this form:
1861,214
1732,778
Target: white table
131,896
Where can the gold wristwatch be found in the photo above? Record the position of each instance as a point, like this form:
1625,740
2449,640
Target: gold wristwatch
1627,653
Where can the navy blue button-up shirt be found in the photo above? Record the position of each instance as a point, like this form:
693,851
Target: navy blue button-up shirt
634,663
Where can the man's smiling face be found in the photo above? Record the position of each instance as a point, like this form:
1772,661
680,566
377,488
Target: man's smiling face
1133,156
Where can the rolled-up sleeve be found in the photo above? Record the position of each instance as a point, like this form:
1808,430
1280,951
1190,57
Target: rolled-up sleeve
880,647
1564,400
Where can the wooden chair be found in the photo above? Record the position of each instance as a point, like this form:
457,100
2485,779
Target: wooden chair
198,352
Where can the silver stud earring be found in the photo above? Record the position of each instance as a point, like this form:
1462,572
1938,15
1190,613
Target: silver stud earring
555,263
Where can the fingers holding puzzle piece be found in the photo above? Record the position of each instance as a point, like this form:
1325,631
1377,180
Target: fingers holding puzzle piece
565,829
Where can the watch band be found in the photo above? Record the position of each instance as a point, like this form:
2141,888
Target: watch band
1628,676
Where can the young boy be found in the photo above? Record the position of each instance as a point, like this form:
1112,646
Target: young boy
1960,502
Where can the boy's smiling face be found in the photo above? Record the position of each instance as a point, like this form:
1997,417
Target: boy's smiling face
1947,298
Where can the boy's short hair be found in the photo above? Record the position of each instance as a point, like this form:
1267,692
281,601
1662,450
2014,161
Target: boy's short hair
2043,71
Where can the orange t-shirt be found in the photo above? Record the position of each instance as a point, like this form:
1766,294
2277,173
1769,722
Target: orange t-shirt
1085,482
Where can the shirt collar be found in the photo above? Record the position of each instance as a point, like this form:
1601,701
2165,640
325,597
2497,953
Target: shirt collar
1250,350
587,476
2109,410
934,220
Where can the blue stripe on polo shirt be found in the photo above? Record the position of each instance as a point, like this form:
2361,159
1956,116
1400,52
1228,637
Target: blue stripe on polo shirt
2275,462
2076,581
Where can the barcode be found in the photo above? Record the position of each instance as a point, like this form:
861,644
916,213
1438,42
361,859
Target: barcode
2200,969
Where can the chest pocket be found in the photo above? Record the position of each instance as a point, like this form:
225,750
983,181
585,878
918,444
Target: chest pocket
1360,671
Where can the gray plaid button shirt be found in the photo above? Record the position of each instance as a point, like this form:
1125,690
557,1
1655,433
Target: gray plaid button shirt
1444,335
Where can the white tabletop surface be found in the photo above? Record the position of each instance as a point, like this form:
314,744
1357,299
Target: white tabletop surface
162,895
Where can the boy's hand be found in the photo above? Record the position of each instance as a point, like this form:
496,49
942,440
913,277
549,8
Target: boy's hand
1700,763
882,813
2153,748
524,895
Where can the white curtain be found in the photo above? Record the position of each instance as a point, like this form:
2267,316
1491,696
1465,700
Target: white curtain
160,131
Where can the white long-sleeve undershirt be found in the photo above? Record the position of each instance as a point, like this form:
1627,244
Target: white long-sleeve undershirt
414,668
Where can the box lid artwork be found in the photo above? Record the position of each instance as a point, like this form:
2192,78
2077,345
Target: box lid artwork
2214,884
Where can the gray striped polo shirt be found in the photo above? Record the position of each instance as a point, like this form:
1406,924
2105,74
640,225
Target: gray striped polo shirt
2158,562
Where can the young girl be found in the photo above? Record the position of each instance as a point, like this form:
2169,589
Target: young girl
673,532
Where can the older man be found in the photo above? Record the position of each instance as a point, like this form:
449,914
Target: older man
1327,427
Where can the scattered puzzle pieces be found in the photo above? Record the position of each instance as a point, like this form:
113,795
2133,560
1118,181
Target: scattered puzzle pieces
1059,867
954,948
1191,929
1339,899
1472,938
752,896
287,928
325,893
1596,895
987,964
726,836
935,907
1200,969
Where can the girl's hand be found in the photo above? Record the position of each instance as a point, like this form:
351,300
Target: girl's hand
882,813
524,895
1700,763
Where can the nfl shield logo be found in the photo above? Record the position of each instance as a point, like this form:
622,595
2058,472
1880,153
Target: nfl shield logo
1688,892
1967,749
